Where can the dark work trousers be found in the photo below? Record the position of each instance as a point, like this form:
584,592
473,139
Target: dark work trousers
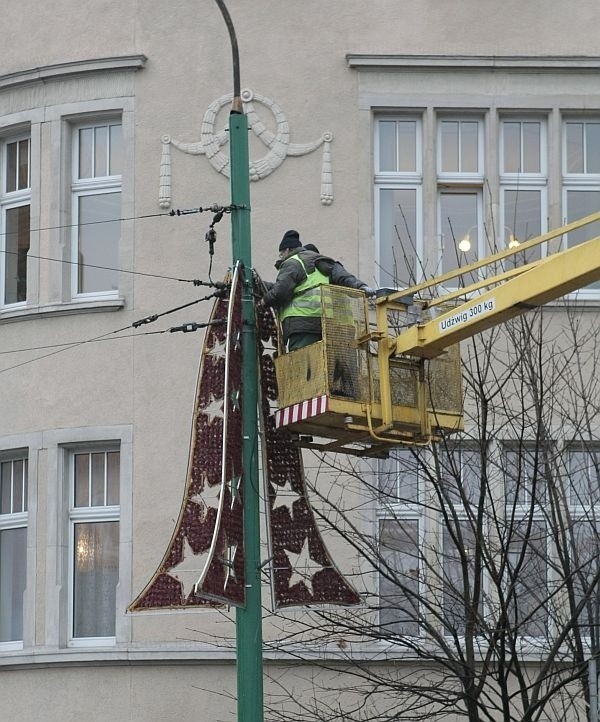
300,340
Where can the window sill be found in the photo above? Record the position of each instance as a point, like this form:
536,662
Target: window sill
92,643
21,313
10,647
125,654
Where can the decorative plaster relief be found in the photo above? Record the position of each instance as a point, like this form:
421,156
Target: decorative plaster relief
278,145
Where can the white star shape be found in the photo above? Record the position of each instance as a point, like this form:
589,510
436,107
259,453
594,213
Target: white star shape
209,498
190,568
285,495
218,349
273,406
302,567
214,409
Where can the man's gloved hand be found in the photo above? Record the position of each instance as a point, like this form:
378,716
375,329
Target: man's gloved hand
369,292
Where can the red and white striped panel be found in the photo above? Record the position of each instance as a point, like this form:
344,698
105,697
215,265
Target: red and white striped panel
301,411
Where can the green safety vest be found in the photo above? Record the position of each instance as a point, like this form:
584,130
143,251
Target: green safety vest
307,296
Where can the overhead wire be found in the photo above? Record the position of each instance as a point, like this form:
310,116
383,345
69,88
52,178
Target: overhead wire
195,281
59,348
173,213
218,212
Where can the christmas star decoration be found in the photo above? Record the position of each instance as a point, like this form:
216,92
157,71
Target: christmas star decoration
302,566
209,498
218,350
190,568
285,495
214,409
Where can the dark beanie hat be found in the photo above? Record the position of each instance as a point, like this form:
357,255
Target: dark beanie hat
291,239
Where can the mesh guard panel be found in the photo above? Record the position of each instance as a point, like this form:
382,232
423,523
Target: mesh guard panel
344,322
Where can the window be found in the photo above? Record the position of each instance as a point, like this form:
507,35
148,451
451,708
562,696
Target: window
521,147
13,547
15,202
581,177
459,603
585,557
399,181
459,469
523,181
399,576
584,476
452,187
399,477
96,199
460,182
526,539
460,473
460,149
511,557
94,542
524,476
583,495
460,227
400,542
527,576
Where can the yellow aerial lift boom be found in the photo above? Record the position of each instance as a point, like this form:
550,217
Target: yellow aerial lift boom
364,390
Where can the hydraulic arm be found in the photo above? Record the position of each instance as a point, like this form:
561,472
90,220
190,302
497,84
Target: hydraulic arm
508,294
367,387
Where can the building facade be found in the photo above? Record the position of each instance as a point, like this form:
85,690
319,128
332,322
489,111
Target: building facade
384,135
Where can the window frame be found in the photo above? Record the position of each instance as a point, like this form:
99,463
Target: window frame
88,514
93,186
524,176
464,514
58,444
395,511
18,520
528,508
400,180
396,627
523,180
480,250
9,200
459,182
418,241
578,182
460,177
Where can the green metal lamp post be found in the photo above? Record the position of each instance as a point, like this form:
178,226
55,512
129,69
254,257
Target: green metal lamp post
248,618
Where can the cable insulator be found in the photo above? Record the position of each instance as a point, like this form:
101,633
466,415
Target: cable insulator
142,321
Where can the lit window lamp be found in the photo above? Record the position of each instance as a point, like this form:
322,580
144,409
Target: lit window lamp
464,244
513,241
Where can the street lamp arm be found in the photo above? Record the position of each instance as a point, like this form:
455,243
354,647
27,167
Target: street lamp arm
236,106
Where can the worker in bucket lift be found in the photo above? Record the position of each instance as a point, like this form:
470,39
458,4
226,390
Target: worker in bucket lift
296,296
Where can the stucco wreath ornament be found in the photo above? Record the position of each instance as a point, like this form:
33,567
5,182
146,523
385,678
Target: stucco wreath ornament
278,146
